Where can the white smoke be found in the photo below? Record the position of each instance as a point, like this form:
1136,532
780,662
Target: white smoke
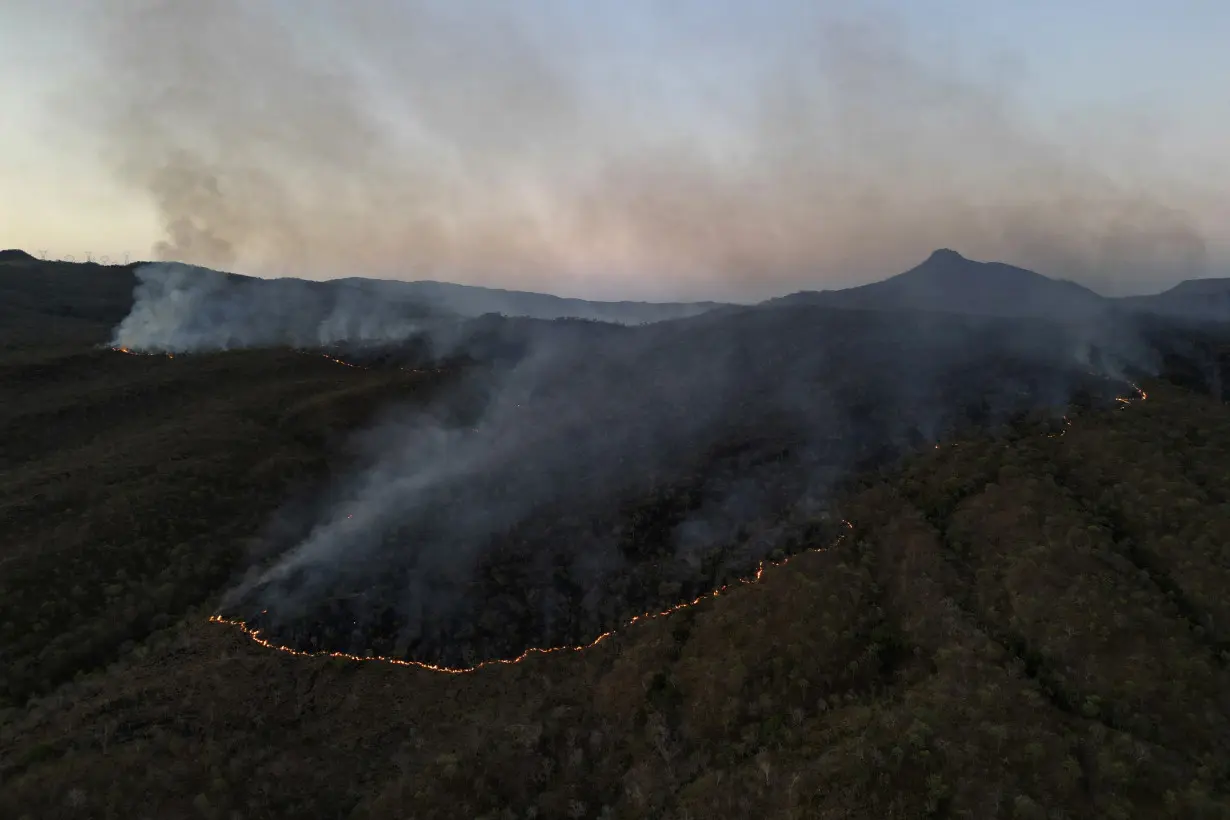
181,308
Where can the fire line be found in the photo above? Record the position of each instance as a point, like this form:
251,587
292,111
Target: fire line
255,634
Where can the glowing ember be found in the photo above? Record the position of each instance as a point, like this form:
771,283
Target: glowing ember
333,359
255,634
347,364
132,352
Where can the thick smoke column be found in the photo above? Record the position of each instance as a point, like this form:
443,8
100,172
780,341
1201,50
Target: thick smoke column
487,142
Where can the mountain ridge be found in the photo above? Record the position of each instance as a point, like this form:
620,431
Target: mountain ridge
946,281
1028,623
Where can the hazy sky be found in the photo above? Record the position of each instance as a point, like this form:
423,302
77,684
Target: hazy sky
639,148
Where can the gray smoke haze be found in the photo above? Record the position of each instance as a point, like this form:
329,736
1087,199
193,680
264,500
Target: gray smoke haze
611,468
418,140
180,308
484,143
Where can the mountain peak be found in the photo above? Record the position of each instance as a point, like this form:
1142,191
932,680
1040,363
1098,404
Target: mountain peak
946,255
948,282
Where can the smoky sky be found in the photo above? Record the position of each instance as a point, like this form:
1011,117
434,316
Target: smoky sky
507,145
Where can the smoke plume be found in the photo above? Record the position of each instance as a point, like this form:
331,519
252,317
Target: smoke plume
485,143
576,472
603,470
183,308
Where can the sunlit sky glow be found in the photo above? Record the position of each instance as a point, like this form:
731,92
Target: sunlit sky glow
635,149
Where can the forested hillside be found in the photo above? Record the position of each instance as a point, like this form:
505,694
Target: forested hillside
1031,626
1028,621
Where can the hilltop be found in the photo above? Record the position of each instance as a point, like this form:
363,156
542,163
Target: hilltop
948,282
1196,299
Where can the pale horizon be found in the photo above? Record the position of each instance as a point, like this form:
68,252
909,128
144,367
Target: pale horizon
690,152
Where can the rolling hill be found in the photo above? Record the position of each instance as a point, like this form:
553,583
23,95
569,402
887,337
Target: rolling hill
1195,299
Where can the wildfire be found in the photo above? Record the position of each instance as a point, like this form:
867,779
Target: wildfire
345,363
1141,395
1067,422
132,352
333,359
255,634
342,362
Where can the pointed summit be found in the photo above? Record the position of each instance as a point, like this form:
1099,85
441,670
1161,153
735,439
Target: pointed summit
947,255
950,283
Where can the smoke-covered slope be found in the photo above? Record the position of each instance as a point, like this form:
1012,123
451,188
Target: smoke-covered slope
591,477
1022,627
213,310
472,300
186,308
1197,300
574,472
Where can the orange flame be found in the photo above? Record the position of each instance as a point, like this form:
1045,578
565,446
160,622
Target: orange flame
347,364
132,352
255,634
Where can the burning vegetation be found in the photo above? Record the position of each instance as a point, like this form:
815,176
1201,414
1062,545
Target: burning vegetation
255,634
522,587
1026,620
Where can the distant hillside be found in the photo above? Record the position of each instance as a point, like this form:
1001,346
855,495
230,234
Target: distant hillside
87,300
948,282
83,296
67,301
1195,299
473,300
